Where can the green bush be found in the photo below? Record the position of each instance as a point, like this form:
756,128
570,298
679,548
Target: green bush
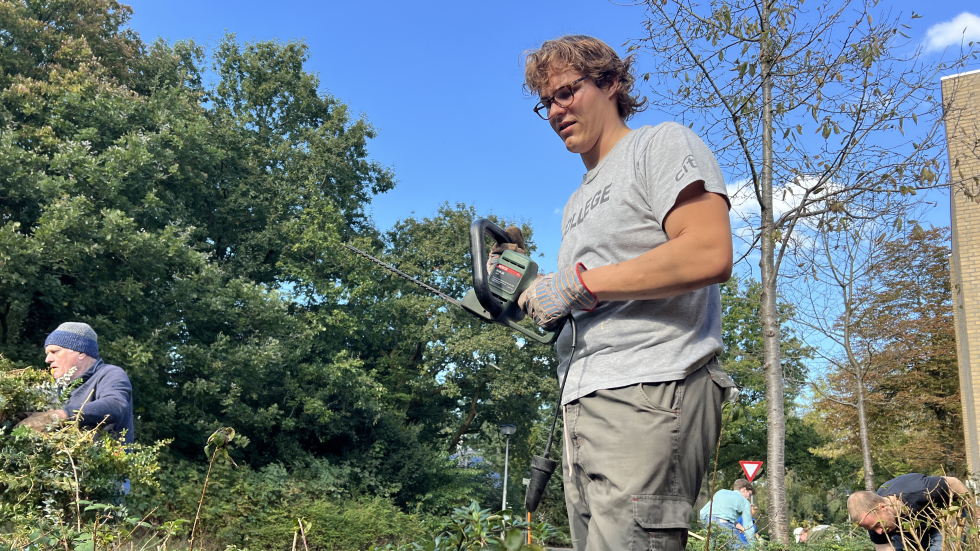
259,509
474,529
238,496
244,497
839,537
333,526
51,483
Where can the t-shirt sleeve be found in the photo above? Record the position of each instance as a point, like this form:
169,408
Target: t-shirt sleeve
672,158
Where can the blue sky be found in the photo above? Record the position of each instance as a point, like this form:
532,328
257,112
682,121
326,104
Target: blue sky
441,81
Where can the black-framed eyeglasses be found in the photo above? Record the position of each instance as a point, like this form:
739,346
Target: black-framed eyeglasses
563,97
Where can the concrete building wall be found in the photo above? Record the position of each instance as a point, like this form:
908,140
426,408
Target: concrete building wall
961,98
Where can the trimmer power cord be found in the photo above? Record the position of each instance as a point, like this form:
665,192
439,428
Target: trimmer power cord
541,466
561,390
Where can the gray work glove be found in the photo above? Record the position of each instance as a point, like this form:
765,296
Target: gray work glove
41,420
554,296
518,246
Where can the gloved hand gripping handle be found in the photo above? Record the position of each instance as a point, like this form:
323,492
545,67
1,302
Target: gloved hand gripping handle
483,303
478,254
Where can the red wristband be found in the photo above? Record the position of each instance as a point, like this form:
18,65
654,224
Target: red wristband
579,268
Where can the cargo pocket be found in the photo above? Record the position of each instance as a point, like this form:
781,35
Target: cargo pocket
729,390
657,512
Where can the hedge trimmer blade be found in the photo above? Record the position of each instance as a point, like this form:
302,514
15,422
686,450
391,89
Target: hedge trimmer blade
402,274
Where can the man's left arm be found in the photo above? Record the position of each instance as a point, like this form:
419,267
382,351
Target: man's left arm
956,486
746,513
698,253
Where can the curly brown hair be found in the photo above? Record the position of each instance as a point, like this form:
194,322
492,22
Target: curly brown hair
591,58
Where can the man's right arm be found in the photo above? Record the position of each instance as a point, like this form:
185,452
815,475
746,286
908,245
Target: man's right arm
698,253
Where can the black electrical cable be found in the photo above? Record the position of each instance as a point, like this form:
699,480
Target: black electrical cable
561,390
541,466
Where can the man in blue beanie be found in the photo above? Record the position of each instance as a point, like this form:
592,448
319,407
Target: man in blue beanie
105,396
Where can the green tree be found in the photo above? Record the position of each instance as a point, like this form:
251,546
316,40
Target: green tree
833,305
456,378
745,435
814,476
172,217
198,228
903,335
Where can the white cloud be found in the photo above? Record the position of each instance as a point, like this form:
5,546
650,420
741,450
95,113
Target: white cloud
962,28
745,206
745,212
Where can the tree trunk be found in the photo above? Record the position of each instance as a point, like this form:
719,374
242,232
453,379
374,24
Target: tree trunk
859,372
869,474
775,415
466,422
3,324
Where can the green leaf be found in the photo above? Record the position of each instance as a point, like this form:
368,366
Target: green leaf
513,539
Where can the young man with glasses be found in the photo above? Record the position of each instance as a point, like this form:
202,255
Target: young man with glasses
645,241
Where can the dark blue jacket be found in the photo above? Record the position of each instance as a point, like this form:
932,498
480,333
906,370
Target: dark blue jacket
105,396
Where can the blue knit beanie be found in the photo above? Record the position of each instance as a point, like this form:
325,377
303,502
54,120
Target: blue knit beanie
75,336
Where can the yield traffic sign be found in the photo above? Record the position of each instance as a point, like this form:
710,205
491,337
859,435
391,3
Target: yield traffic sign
750,468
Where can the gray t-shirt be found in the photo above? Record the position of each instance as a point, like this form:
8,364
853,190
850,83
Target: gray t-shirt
616,215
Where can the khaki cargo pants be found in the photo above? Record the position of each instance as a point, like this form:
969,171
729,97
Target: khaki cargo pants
634,458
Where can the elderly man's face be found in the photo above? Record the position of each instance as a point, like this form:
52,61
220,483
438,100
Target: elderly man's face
60,360
881,519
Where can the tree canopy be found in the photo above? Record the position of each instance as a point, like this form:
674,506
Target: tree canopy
197,226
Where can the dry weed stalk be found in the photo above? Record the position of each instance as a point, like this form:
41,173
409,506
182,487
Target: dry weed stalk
958,523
